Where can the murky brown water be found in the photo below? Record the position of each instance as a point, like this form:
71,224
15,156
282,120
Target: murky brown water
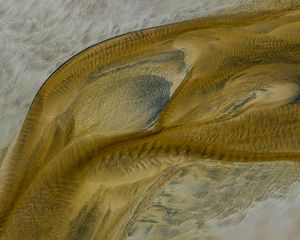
176,105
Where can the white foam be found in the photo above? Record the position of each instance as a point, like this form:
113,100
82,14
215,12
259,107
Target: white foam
271,219
38,35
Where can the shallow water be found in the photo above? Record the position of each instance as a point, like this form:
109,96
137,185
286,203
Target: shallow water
206,200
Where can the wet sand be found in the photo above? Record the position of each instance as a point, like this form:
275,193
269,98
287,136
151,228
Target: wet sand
118,121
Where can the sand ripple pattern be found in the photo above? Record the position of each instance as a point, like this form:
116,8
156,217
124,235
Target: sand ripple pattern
117,121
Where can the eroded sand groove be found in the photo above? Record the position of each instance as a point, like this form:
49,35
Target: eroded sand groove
117,120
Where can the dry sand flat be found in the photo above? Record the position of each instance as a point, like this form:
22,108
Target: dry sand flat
121,119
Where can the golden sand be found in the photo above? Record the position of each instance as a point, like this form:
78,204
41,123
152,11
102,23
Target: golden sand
115,122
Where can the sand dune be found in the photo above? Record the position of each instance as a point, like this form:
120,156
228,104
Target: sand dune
119,120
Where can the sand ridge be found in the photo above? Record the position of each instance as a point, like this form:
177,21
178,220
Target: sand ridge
115,122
